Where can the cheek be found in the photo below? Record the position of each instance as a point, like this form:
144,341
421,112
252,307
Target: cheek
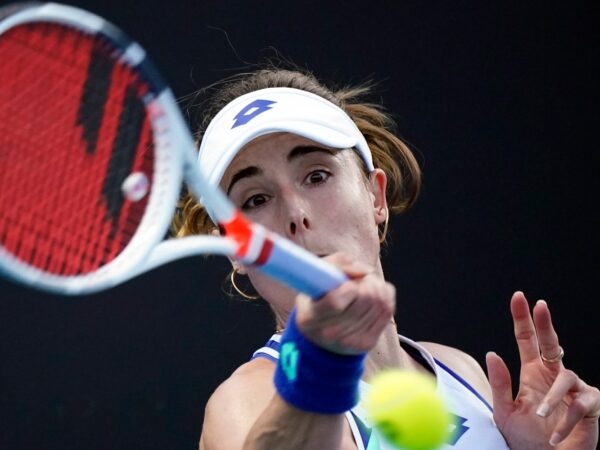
354,218
353,205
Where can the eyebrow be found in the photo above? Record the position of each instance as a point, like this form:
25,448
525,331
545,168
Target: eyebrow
295,153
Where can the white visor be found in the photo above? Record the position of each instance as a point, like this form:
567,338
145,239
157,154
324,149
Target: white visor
275,110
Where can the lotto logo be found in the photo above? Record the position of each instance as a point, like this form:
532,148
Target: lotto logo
250,111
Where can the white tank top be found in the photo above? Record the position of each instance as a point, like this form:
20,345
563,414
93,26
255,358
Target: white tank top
474,426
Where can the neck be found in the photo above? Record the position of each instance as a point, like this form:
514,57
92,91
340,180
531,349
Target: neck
389,354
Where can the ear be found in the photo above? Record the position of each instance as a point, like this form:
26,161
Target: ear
378,184
237,266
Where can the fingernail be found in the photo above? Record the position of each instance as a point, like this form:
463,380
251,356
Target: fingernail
554,439
543,409
541,302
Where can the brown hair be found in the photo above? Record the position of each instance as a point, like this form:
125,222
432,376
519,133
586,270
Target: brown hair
389,152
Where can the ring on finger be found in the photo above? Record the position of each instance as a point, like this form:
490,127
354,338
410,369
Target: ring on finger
554,359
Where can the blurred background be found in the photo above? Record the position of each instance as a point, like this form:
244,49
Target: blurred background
498,99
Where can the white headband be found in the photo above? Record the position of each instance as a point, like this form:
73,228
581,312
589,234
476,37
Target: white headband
274,110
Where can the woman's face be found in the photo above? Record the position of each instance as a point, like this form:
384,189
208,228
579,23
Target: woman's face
314,196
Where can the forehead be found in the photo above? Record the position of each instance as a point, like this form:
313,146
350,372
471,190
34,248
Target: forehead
267,148
271,142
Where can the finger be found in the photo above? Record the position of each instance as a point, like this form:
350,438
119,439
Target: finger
501,384
352,267
585,406
565,381
322,327
335,315
372,311
366,336
335,301
364,318
524,328
546,335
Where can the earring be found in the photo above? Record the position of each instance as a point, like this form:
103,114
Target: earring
238,290
385,227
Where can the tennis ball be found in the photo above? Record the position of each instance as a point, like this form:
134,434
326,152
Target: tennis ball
407,409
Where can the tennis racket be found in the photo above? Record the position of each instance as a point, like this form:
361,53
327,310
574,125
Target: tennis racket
93,153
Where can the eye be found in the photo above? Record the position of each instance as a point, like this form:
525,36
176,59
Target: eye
254,201
317,176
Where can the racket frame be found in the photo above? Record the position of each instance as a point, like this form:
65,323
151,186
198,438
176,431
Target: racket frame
175,162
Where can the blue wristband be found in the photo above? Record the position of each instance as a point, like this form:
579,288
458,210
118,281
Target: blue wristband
314,379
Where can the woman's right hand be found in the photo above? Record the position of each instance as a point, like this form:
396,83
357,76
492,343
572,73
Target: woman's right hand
350,318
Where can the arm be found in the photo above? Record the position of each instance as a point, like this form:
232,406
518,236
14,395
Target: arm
282,423
247,412
235,405
553,407
346,323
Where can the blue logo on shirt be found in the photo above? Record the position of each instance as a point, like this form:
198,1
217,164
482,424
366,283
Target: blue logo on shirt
458,429
251,110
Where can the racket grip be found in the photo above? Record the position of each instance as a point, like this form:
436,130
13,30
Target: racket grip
300,269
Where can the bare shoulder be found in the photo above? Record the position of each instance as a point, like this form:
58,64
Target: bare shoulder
236,403
246,384
462,364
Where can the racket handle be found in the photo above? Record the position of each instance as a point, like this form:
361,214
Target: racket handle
300,269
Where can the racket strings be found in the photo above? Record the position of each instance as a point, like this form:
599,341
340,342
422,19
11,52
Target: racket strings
72,127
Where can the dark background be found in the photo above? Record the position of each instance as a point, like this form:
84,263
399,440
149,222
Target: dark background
500,101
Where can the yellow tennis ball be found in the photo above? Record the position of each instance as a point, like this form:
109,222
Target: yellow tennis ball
407,409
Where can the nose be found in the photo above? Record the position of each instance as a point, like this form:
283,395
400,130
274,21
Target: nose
299,223
297,216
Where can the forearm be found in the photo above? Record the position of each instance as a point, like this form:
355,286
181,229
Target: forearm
284,426
314,388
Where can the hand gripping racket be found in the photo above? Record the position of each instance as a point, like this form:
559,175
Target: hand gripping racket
93,152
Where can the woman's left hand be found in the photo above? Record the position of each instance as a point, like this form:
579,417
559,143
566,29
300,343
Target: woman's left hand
554,408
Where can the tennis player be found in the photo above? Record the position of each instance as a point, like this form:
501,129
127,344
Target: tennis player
323,168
